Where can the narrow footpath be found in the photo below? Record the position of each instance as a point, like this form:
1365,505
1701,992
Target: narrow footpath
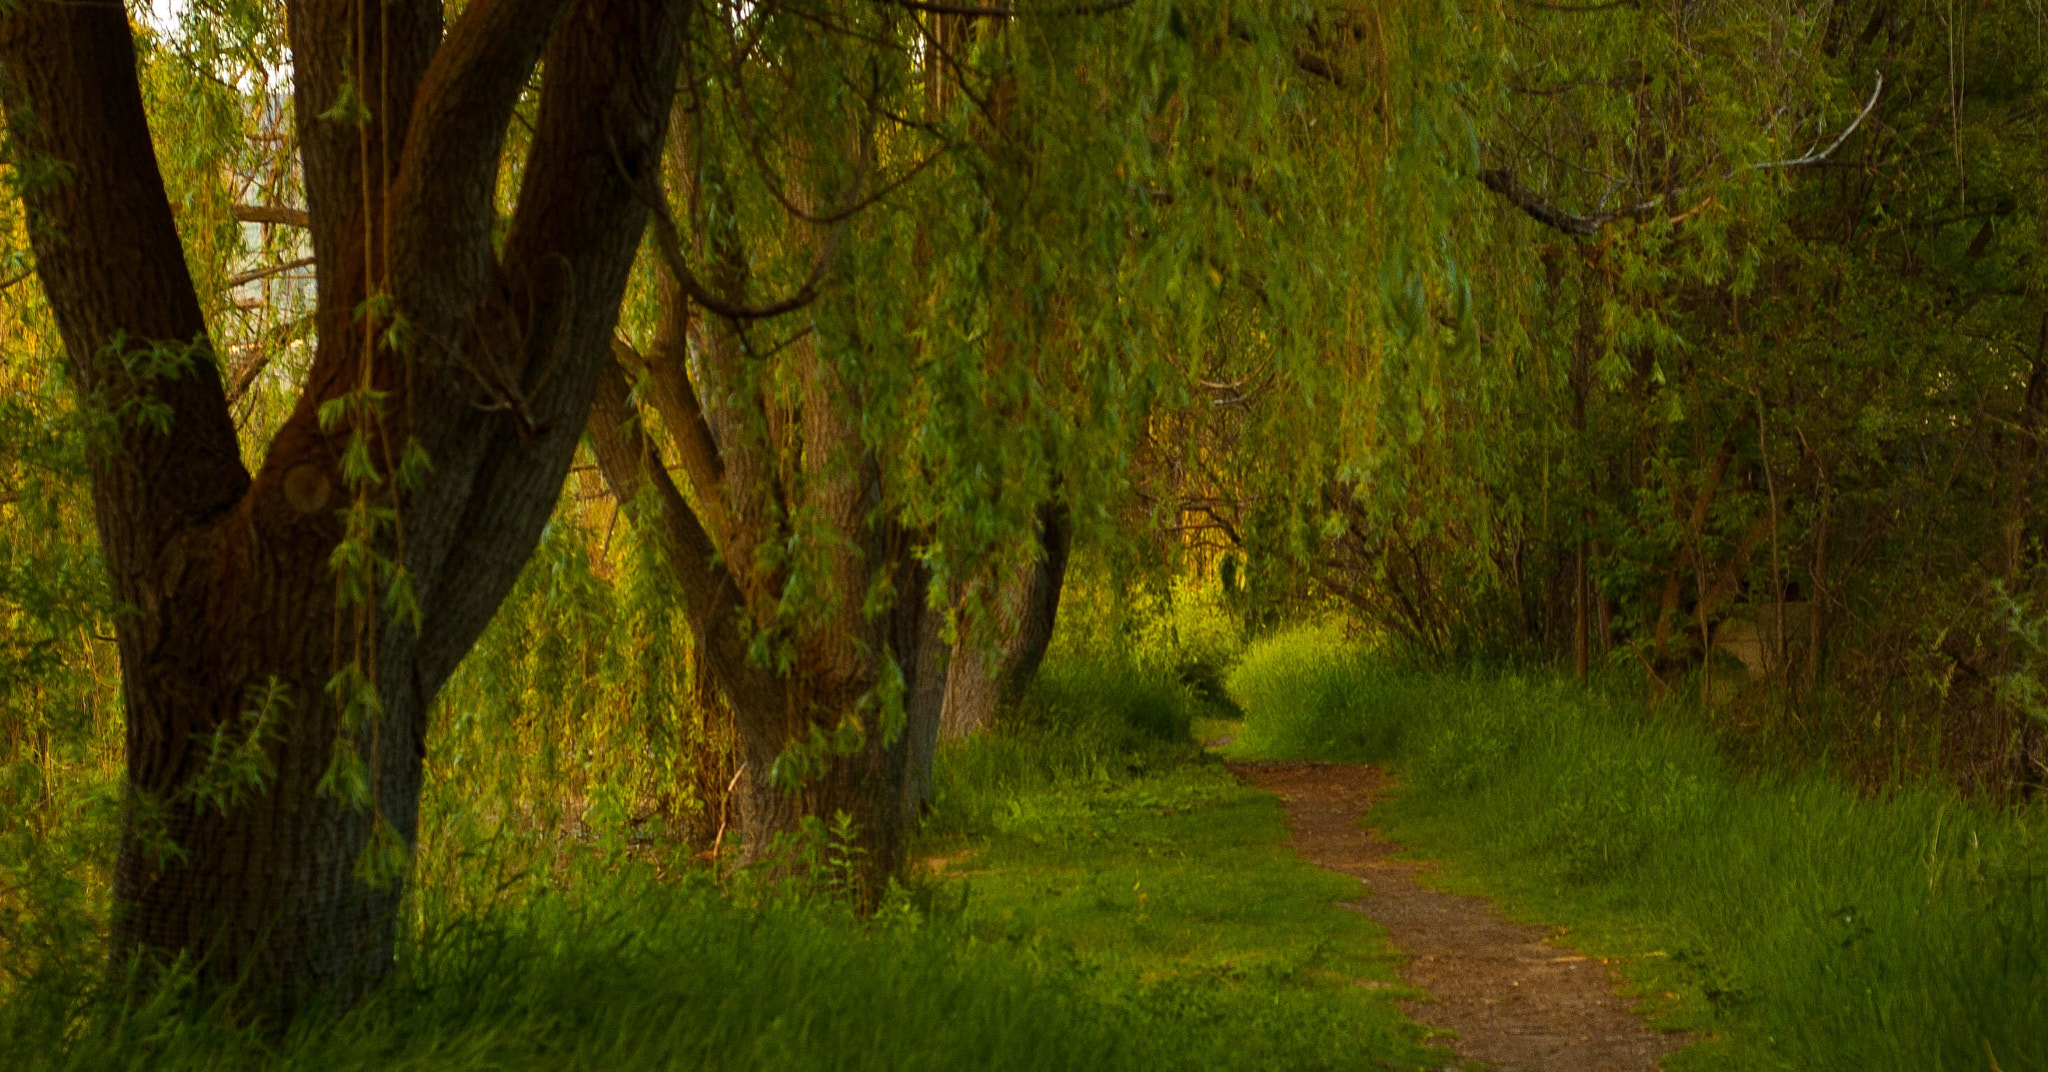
1515,1000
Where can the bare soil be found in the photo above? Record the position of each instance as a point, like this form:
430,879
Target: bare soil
1515,999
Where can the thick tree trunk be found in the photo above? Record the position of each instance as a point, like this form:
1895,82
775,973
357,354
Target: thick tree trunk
884,779
980,680
245,850
1041,603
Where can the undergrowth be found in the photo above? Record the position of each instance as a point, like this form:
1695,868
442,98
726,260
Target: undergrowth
1115,901
1794,923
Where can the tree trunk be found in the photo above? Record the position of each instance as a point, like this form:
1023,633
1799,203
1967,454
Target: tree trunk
798,762
267,827
979,679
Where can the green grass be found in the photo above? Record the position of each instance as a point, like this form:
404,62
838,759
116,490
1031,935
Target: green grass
1172,898
621,971
1091,831
1797,925
1124,905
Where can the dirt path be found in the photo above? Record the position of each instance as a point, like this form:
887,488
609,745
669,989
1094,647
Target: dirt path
1516,1002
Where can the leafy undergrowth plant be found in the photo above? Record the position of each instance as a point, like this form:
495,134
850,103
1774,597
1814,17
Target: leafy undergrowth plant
1794,923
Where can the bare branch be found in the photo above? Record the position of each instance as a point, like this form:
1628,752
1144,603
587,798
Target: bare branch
277,215
264,273
670,244
1812,158
1504,183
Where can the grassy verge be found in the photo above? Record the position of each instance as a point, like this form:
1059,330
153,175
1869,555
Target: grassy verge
1799,926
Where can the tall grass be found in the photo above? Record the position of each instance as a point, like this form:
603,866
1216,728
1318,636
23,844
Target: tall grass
603,970
1803,926
1084,720
528,949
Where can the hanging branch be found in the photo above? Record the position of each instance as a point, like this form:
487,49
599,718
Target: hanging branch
668,241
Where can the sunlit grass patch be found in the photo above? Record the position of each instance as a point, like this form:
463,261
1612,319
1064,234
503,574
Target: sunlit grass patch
1799,925
1175,898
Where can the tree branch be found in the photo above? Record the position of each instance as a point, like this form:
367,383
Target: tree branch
1812,158
676,400
1504,183
253,275
711,597
276,215
668,241
111,264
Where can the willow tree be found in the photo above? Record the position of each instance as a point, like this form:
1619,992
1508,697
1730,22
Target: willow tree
927,270
283,631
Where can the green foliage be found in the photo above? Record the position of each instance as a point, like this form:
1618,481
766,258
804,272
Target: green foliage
622,971
1801,925
580,714
1789,362
1302,684
1084,721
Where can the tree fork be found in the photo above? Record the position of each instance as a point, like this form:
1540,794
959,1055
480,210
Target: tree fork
227,638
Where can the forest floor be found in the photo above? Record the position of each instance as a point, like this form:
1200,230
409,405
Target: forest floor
1512,996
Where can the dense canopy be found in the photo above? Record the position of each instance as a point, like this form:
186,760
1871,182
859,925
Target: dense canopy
682,422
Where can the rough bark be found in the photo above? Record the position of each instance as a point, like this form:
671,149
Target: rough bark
226,576
1041,602
981,678
882,783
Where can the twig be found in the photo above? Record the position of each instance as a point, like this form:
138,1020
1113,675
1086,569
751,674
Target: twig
1504,183
719,838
